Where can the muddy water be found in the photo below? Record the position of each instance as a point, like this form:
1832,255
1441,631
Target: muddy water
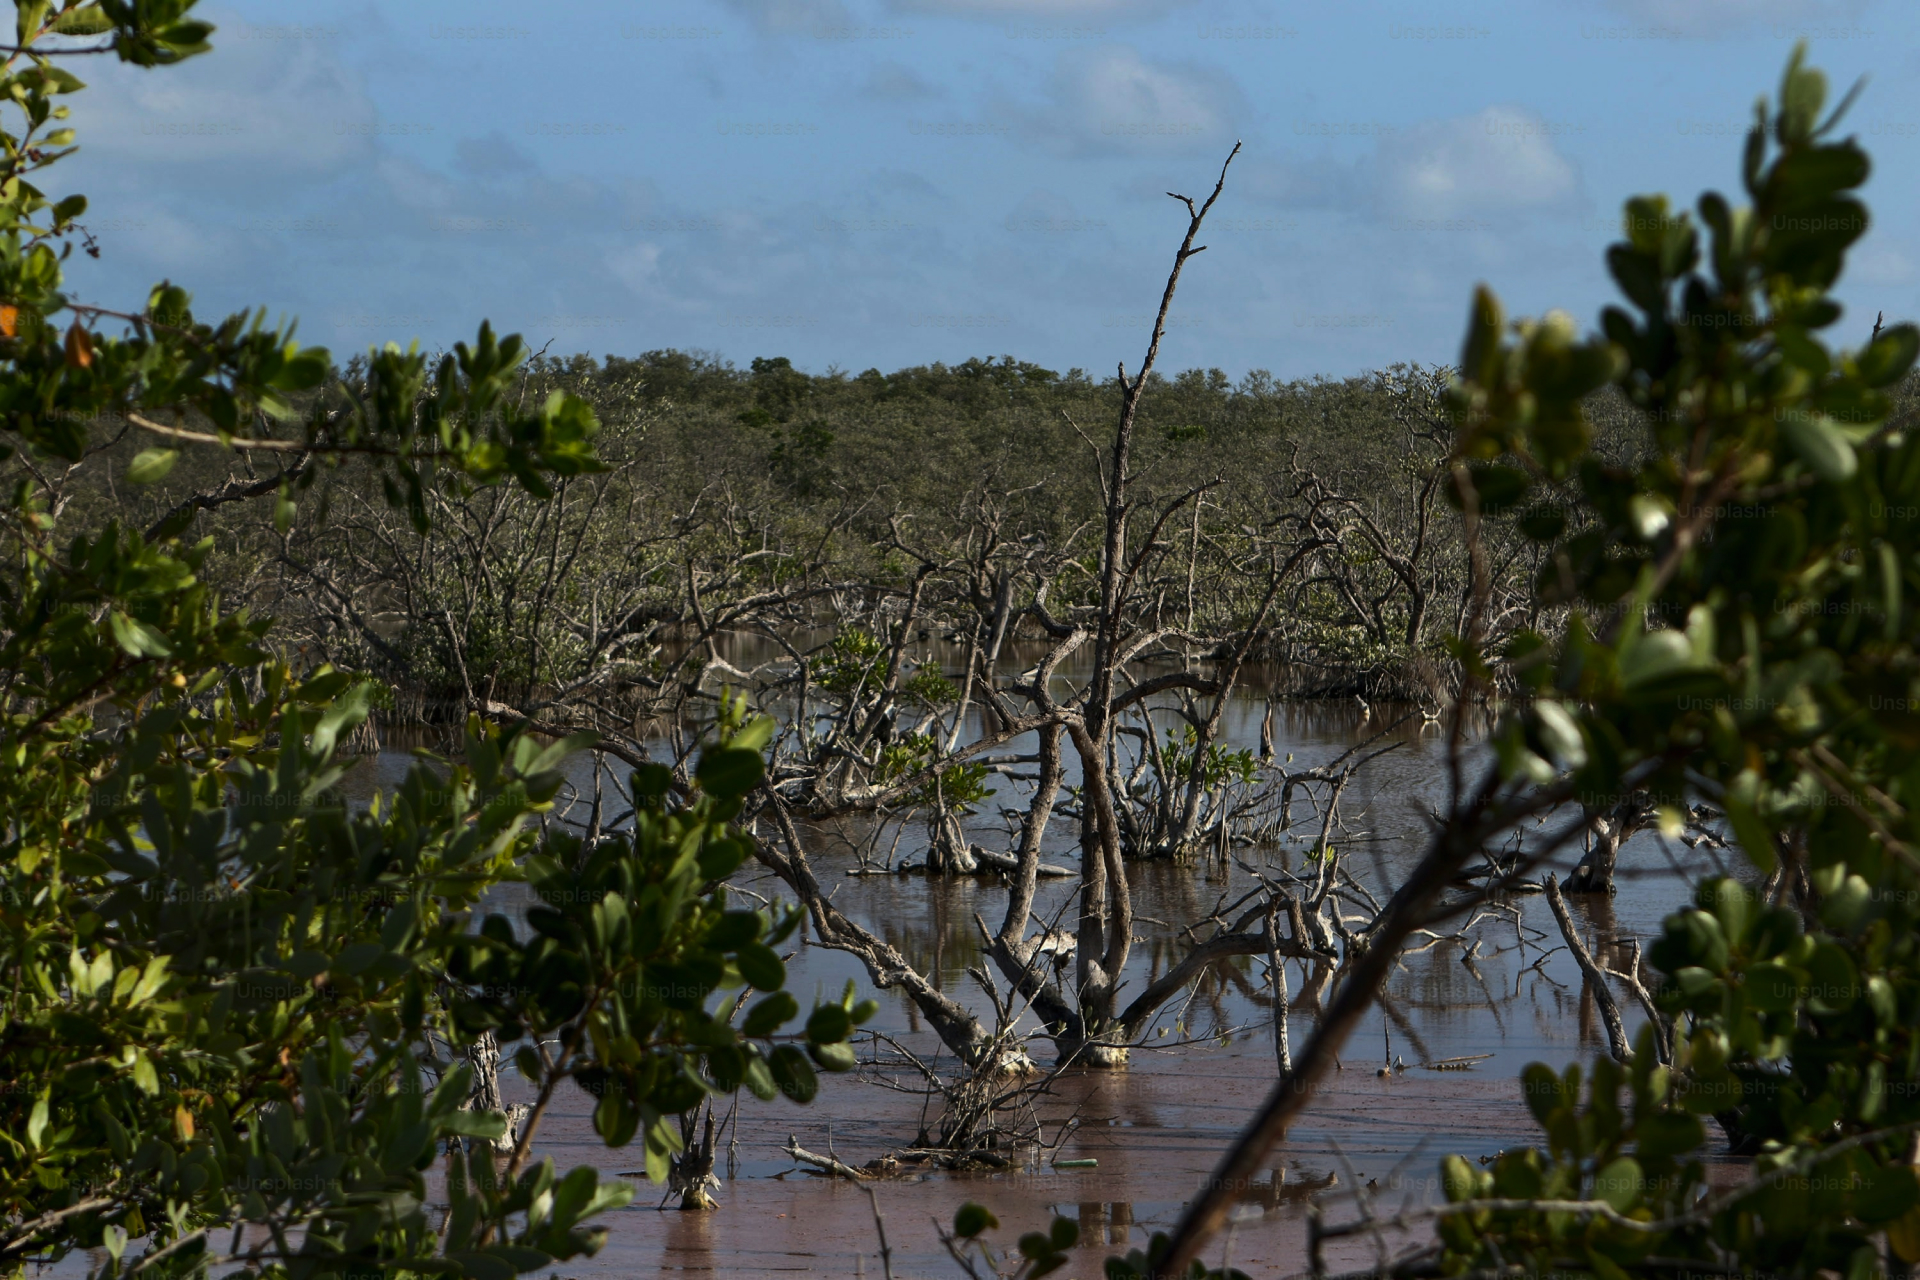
1157,1127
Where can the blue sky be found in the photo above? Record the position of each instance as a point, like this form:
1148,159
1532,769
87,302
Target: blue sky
860,183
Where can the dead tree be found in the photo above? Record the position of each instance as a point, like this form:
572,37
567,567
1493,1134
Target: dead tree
1607,830
1117,617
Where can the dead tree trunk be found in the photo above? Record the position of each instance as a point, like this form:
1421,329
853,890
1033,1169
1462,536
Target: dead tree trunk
690,1174
948,852
1609,829
484,1095
1594,976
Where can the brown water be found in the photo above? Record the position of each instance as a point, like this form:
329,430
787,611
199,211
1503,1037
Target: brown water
1157,1127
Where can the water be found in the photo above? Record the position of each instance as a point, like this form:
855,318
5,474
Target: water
1158,1126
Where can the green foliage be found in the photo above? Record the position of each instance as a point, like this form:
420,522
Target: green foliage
1140,1264
229,992
1740,630
960,787
183,378
1044,1252
855,662
1040,1252
1220,768
930,689
633,936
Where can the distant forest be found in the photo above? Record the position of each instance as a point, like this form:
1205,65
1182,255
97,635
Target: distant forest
766,499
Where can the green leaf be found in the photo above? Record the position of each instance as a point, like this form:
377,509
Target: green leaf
615,1118
475,1124
1818,442
1036,1245
87,20
1888,357
1833,981
1496,487
1666,1134
1619,1183
1755,840
551,757
1540,1086
1887,1194
650,784
137,638
829,1024
307,964
37,1123
1803,90
759,1079
971,1219
483,1266
729,773
794,1074
834,1057
56,79
1638,276
1561,733
768,1015
762,967
1772,988
1484,325
1542,524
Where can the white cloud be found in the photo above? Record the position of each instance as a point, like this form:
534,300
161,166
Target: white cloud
1110,99
637,266
287,106
1500,158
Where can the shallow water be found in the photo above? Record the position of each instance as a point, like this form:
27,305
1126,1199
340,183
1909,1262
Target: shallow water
1158,1126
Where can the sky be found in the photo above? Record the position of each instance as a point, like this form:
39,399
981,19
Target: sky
887,183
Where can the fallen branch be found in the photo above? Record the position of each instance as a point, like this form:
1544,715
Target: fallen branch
1011,865
826,1164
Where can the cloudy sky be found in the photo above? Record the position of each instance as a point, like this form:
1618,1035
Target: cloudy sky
860,183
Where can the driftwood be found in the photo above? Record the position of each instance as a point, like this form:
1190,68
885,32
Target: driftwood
1006,862
826,1164
985,861
1467,1063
